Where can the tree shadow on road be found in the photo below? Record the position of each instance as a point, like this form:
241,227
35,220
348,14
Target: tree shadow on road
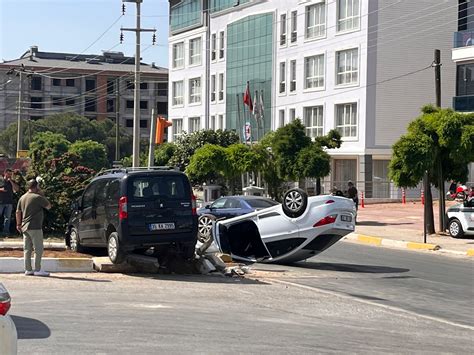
367,269
29,328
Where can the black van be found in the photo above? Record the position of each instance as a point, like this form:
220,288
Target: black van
135,208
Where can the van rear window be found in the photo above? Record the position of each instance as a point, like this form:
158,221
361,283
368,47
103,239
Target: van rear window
153,187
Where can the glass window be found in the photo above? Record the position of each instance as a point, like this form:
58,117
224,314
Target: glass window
282,29
177,128
129,104
347,15
314,72
177,93
110,105
221,87
162,108
219,203
110,87
282,87
56,82
195,90
346,119
143,123
143,86
144,105
178,55
213,123
313,121
36,102
129,123
162,89
194,124
281,118
213,88
195,51
221,121
36,83
294,26
185,13
153,187
261,202
88,197
347,66
70,82
214,46
113,192
90,84
293,76
292,114
315,20
57,101
221,44
90,104
465,80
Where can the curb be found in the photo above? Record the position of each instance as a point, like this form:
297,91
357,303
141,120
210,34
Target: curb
377,241
16,265
19,245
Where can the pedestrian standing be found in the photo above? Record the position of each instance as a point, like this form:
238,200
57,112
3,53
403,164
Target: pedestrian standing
353,193
7,188
29,217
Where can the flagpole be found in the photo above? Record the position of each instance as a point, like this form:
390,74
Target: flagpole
239,119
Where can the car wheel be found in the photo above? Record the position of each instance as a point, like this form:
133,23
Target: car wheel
74,241
116,254
295,202
455,228
205,227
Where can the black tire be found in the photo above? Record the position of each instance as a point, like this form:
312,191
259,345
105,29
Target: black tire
115,252
205,227
295,202
455,228
75,241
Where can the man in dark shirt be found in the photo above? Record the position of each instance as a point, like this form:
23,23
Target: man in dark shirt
353,193
7,187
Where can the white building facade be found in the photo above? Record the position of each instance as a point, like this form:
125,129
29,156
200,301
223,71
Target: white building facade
359,66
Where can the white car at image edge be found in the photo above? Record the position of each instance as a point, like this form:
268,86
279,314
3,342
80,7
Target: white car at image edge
297,229
8,334
461,219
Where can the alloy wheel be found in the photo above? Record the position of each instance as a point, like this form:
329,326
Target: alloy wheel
294,201
204,228
112,246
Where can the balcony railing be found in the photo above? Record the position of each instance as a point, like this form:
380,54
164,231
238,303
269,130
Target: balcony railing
463,39
463,103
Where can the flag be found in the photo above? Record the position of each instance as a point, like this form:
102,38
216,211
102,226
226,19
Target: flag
255,106
247,98
261,108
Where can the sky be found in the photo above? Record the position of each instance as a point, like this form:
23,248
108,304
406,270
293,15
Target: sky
72,26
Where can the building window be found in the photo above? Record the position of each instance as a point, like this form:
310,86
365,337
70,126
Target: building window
314,72
178,55
90,84
90,104
195,51
313,121
315,20
294,26
129,104
110,87
213,88
70,82
221,44
195,91
110,105
281,118
130,85
213,123
347,63
143,105
57,101
177,128
70,102
129,123
162,108
143,86
293,76
292,114
194,124
282,87
162,89
177,93
36,102
221,122
213,46
56,82
221,87
143,123
36,83
347,15
283,30
346,119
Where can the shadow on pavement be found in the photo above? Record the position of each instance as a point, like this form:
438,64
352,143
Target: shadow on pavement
380,224
369,269
211,279
70,278
29,328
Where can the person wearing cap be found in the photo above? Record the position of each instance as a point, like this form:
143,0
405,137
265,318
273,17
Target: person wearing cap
7,188
29,217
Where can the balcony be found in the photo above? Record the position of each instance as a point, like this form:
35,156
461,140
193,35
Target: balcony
463,103
463,46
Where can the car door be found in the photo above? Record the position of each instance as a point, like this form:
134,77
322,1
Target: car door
217,207
86,221
98,212
111,209
232,208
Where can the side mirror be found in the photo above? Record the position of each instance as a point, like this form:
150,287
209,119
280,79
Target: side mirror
207,207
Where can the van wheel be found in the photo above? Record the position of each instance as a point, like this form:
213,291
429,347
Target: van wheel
116,254
455,228
74,241
295,202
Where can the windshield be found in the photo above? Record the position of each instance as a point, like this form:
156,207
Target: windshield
261,203
152,187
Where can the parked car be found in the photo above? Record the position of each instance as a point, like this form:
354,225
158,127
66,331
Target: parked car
134,209
8,334
229,206
461,219
297,229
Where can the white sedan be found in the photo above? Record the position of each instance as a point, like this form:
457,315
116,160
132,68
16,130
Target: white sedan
297,229
8,334
461,219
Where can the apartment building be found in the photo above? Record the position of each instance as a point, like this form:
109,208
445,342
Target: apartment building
362,67
84,84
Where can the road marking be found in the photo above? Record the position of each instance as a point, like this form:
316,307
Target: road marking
470,252
372,303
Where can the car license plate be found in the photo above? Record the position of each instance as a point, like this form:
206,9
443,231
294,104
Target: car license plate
345,218
161,226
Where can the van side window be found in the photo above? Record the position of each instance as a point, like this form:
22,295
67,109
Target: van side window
88,197
100,193
113,192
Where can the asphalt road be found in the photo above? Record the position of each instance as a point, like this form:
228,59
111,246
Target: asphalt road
350,299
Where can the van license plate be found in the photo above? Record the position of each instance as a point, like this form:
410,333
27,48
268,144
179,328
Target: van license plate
160,226
346,218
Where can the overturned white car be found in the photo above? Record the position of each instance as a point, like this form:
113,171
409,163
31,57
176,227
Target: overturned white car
297,229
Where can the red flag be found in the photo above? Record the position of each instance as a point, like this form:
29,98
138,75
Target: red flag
248,98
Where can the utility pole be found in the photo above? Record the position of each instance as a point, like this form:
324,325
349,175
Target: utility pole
136,105
442,207
117,119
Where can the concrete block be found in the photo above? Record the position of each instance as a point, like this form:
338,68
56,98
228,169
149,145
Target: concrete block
143,263
103,264
216,261
205,266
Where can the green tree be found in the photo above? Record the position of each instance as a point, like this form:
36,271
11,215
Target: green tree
46,145
163,153
206,164
90,153
440,142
